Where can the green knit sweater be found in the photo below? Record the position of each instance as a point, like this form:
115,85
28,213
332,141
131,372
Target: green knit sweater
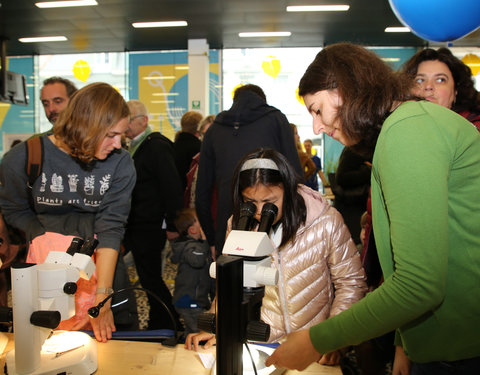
426,219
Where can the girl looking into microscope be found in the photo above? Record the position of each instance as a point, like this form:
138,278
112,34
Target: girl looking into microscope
320,273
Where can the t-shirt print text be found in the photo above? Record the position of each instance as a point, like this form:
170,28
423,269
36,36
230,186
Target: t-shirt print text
58,189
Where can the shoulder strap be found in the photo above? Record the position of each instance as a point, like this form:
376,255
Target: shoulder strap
34,159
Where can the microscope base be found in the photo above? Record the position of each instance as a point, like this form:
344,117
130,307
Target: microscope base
81,360
260,354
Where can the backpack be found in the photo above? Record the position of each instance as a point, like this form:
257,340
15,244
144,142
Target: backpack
34,160
17,249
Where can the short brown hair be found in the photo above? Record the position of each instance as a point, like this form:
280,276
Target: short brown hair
69,85
90,113
190,121
185,219
367,85
250,87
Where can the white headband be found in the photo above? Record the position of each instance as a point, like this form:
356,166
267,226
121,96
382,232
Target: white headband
259,164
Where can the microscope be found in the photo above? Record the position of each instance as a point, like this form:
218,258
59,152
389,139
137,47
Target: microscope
42,296
241,273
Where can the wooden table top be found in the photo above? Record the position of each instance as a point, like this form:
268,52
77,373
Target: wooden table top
135,357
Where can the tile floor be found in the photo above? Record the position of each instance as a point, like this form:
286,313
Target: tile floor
169,272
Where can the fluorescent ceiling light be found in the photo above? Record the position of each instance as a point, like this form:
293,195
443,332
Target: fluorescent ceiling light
65,4
159,77
165,94
318,8
159,24
264,34
181,67
41,39
390,59
162,101
395,29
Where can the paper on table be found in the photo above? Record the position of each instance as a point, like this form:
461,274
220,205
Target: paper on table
207,359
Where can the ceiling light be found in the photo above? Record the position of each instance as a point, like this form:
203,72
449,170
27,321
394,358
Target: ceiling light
65,4
264,34
165,94
396,29
390,59
41,39
159,24
181,67
318,8
159,77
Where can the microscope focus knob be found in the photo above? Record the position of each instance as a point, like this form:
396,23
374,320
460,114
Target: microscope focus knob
266,275
70,288
258,331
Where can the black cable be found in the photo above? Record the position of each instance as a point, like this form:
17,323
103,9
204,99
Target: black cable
95,311
251,359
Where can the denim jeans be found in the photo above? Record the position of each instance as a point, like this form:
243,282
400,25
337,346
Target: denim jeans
469,366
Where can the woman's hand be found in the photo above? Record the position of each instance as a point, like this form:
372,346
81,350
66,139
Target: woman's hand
296,353
193,340
332,358
103,325
401,363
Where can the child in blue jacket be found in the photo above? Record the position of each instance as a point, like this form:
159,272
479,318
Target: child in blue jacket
192,283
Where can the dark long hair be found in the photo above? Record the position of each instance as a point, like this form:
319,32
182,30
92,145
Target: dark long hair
294,210
467,98
367,85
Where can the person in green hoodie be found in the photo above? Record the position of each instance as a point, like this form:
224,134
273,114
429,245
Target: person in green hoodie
426,210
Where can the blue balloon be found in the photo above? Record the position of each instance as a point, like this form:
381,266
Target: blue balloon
438,20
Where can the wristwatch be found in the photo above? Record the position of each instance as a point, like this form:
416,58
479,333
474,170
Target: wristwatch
104,291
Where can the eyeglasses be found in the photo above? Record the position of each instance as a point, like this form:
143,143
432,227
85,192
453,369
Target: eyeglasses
134,117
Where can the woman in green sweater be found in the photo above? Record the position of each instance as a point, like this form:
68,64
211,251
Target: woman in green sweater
426,215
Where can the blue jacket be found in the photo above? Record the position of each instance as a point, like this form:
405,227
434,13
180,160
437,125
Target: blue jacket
192,283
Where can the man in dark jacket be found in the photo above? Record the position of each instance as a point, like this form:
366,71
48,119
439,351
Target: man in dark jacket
249,124
155,200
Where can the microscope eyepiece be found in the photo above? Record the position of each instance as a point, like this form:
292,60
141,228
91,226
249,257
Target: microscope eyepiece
247,211
75,246
269,212
89,247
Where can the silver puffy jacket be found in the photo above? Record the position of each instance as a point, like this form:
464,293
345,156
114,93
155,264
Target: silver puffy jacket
320,273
